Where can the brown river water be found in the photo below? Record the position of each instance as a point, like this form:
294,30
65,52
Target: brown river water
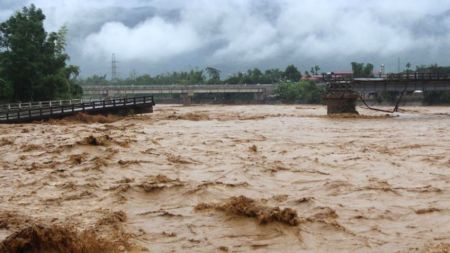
257,178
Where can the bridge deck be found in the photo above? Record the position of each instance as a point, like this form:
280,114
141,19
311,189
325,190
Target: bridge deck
29,112
404,82
176,89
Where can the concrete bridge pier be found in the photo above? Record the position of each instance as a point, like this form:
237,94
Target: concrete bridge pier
341,102
186,98
260,97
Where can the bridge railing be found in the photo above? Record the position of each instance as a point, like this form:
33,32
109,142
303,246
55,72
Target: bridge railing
417,76
42,104
61,109
332,77
163,86
412,76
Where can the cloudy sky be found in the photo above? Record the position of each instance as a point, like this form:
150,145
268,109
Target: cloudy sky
154,36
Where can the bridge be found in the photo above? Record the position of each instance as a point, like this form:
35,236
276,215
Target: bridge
261,91
37,111
343,90
341,94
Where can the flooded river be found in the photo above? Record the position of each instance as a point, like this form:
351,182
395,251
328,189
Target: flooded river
234,179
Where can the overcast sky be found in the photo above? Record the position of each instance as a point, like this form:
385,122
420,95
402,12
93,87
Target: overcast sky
154,36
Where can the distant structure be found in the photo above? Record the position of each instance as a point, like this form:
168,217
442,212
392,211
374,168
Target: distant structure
114,75
312,78
382,70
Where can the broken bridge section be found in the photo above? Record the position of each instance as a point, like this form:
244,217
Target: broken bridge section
343,90
37,111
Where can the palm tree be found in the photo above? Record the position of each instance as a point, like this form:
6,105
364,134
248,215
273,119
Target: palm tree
408,66
317,68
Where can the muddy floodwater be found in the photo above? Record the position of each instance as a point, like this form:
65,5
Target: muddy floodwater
258,178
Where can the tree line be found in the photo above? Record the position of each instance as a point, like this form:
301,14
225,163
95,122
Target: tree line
291,88
208,75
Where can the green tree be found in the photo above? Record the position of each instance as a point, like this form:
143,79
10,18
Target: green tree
292,74
196,77
5,90
95,80
310,92
236,78
273,76
408,66
213,75
254,76
361,70
304,92
32,61
316,69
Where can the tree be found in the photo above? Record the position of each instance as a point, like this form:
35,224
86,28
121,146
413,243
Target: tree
32,61
254,76
316,69
196,77
5,90
292,74
94,80
213,75
408,66
304,92
361,70
237,78
273,76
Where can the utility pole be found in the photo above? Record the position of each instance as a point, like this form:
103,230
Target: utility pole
398,65
114,68
133,75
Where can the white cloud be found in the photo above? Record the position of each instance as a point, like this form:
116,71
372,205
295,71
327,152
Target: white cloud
152,40
250,32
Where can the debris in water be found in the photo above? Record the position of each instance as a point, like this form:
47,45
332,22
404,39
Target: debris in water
159,182
244,206
5,141
103,140
87,118
188,116
427,210
55,239
113,218
77,158
126,163
178,159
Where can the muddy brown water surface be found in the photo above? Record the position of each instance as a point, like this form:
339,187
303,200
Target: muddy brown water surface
232,179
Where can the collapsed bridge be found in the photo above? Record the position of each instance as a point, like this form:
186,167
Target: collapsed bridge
342,91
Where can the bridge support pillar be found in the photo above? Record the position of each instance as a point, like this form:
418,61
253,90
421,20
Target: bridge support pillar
186,99
341,102
260,97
